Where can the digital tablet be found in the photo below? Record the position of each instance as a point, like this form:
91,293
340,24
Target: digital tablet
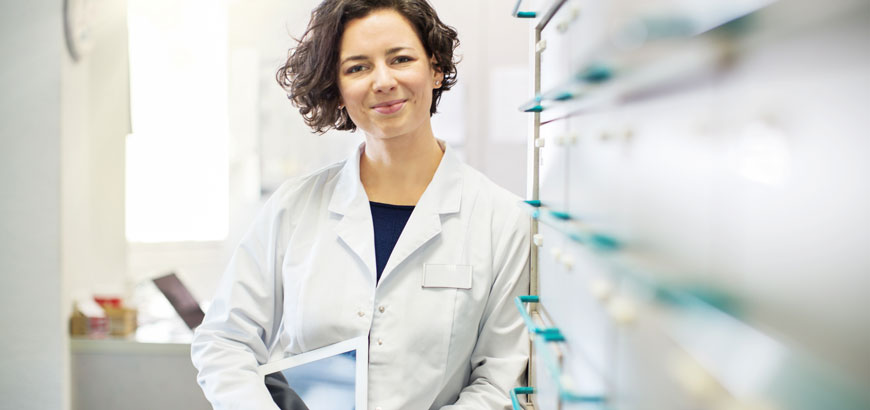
331,377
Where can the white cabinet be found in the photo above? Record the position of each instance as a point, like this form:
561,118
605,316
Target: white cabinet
702,170
122,374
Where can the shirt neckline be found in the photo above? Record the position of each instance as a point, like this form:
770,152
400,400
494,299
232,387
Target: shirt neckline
391,206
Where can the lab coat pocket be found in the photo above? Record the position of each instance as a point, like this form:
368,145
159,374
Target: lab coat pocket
447,276
434,312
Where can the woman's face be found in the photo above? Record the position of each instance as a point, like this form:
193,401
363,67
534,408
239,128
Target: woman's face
385,77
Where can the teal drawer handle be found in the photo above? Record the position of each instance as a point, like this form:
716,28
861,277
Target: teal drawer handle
520,390
550,334
597,241
561,222
565,394
561,215
534,105
522,14
596,73
542,337
564,96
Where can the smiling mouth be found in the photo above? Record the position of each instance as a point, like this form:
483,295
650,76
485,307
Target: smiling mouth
389,107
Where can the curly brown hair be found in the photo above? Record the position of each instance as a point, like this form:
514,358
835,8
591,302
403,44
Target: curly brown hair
310,74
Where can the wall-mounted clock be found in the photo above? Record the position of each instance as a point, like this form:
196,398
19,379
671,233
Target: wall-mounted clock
77,17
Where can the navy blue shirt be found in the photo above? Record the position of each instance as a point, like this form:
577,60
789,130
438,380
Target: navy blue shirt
389,221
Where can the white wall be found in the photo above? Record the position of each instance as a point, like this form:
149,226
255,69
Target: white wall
34,355
95,122
62,125
493,46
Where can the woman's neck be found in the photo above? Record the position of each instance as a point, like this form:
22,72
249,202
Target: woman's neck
398,170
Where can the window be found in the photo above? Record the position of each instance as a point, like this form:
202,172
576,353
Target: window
177,167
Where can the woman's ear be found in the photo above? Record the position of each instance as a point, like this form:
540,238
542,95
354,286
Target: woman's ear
437,74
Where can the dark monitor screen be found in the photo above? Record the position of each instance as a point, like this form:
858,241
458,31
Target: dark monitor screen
180,299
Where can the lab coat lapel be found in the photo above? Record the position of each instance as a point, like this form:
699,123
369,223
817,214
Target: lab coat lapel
349,200
442,196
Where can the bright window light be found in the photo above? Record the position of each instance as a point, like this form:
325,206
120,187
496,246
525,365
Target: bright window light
177,167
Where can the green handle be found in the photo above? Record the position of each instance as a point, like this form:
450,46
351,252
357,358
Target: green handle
550,334
522,14
520,390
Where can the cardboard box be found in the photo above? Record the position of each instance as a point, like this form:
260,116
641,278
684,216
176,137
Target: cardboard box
78,324
122,320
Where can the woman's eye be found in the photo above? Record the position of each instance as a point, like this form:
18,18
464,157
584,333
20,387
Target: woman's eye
355,69
402,59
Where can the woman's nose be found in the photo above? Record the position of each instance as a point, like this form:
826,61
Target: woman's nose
384,80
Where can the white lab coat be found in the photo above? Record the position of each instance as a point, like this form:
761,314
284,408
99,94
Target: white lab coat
304,277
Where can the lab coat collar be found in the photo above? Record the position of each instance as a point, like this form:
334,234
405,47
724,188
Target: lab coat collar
445,189
348,190
349,199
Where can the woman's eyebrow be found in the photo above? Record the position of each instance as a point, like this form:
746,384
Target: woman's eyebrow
354,58
392,50
395,50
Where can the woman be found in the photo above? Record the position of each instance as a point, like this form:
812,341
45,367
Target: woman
401,241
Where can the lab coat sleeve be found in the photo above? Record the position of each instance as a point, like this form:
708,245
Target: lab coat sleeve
500,357
244,317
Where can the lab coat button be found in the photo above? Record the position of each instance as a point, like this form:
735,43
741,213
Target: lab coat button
380,342
361,313
381,309
378,408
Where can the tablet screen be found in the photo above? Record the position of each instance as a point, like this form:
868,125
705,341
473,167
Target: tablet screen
332,377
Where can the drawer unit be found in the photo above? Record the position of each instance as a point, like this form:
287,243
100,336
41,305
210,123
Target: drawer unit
726,194
704,204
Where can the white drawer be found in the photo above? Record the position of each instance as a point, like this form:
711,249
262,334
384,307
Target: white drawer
574,289
563,383
651,371
554,49
645,360
554,184
647,182
546,390
571,41
571,38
